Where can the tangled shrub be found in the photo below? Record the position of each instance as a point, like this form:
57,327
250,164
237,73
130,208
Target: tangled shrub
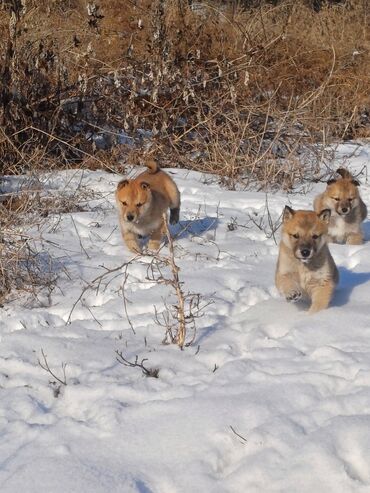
241,89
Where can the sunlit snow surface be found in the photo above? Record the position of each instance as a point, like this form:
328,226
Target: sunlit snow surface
296,388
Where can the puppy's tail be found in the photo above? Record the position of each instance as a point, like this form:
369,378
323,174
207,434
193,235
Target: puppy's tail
344,173
152,166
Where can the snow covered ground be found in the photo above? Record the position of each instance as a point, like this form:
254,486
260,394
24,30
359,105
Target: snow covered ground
296,388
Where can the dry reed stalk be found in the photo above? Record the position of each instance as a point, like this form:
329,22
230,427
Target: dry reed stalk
177,285
224,87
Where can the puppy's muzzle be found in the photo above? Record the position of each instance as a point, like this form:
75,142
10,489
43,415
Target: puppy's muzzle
130,217
304,254
343,211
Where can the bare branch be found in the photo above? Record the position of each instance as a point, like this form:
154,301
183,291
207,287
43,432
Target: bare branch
45,366
148,372
181,331
96,283
259,221
177,318
244,440
125,301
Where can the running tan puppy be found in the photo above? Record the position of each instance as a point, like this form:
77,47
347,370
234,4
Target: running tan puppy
305,265
347,209
141,204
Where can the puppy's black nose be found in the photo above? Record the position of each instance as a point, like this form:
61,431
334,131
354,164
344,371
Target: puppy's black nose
305,252
344,210
130,217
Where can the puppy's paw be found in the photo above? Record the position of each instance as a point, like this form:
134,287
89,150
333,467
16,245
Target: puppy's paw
355,239
154,245
134,248
294,296
174,215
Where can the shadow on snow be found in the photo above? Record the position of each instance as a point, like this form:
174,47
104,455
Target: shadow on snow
348,280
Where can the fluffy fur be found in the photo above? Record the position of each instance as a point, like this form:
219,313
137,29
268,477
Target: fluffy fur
142,205
305,265
348,211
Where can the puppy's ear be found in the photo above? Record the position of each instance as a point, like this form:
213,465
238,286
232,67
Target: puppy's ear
144,185
325,215
330,182
122,184
355,182
288,213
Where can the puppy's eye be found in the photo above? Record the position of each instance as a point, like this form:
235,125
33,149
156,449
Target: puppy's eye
315,237
337,199
124,203
139,204
350,200
296,236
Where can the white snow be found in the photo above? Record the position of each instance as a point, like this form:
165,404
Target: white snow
296,388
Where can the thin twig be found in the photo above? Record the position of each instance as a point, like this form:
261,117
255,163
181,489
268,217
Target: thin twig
238,435
98,280
148,372
181,332
79,238
45,366
125,301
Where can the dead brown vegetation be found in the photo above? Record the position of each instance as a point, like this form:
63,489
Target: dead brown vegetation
24,266
219,87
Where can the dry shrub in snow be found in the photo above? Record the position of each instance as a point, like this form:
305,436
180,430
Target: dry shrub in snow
21,267
24,265
226,87
178,317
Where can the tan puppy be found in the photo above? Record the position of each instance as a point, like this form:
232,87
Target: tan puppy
347,209
305,265
142,202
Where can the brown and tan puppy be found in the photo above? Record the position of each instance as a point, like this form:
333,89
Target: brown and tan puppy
348,211
305,266
142,203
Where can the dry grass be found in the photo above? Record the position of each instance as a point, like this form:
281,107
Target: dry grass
242,92
245,92
24,266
